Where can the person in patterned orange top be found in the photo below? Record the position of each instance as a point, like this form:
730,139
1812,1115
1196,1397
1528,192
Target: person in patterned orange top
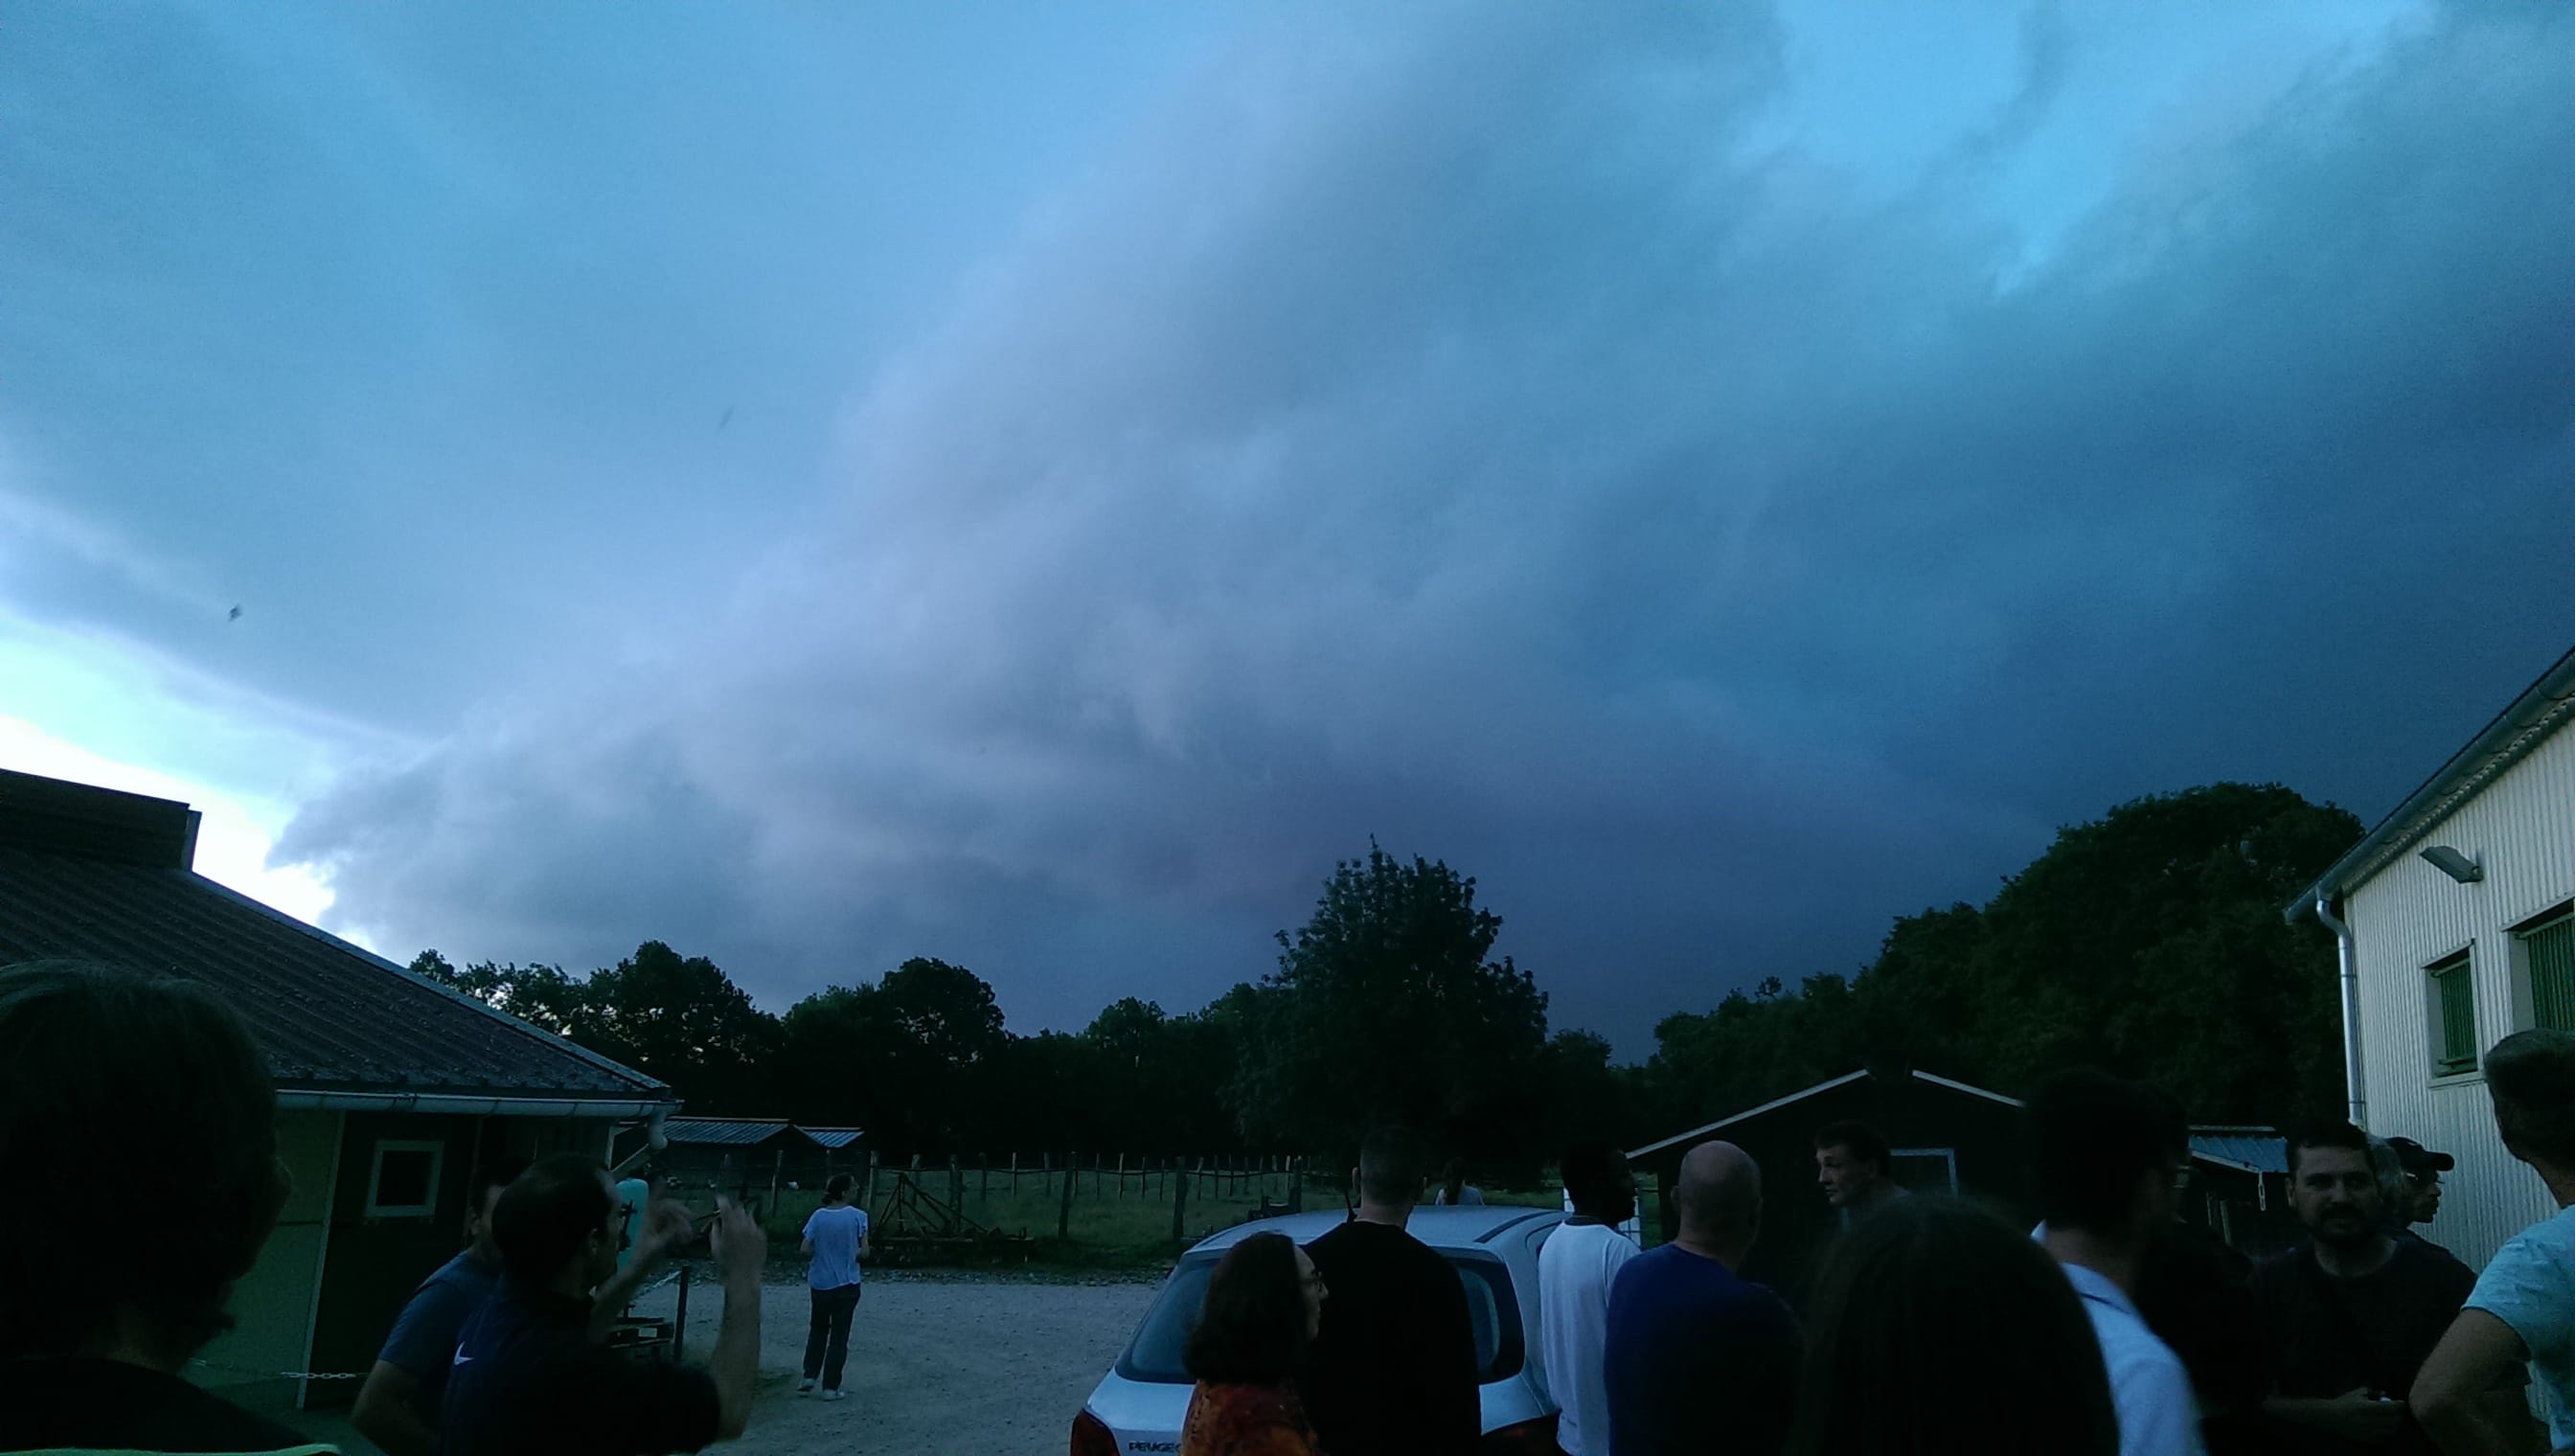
1263,1304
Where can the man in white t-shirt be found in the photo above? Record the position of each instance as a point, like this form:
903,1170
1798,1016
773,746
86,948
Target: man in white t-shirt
2109,1158
835,1238
2523,1308
1575,1268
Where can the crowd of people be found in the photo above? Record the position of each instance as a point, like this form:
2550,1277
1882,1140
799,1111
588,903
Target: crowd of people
503,1351
1935,1326
2113,1327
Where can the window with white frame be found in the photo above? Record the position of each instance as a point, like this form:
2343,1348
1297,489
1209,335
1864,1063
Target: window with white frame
404,1180
2452,1008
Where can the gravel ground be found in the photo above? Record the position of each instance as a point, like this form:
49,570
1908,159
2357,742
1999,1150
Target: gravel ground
962,1364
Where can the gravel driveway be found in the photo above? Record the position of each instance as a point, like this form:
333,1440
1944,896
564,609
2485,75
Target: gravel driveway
936,1364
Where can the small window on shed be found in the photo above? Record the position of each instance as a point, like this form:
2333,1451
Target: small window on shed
404,1183
2550,949
2454,1015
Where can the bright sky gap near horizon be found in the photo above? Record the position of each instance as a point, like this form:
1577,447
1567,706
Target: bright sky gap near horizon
1035,487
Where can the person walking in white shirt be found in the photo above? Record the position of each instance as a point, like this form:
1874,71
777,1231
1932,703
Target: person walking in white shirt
2109,1158
1575,1268
835,1238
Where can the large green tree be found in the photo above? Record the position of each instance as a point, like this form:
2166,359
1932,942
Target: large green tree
2148,941
684,1020
1387,1005
912,1057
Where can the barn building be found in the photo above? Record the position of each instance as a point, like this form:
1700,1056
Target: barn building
1947,1136
1953,1138
390,1087
2455,920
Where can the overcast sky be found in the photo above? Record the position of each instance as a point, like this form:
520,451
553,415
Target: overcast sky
1035,486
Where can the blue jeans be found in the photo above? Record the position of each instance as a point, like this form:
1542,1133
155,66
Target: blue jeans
827,1343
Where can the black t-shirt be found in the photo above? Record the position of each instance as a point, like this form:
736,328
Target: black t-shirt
2196,1294
1393,1369
79,1404
527,1381
2328,1335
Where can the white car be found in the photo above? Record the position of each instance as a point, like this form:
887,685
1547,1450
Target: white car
1140,1404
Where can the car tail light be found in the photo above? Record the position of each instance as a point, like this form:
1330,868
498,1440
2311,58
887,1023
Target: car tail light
1526,1438
1092,1436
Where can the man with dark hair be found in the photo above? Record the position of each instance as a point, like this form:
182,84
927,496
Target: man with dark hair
1698,1357
2523,1305
531,1376
1392,1372
835,1238
2108,1159
2350,1317
397,1408
105,1296
1851,1163
1576,1268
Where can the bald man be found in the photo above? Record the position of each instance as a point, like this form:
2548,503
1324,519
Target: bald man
1698,1358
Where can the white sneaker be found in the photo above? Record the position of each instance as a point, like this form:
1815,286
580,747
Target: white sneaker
804,1387
832,1395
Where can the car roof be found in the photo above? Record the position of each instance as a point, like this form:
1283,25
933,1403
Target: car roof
1441,1227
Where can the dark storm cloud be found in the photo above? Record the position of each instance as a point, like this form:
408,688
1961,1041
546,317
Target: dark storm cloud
1483,441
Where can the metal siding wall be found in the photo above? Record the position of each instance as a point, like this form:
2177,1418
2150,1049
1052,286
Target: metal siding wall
2522,828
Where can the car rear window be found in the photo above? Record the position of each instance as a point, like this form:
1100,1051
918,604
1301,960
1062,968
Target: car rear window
1154,1354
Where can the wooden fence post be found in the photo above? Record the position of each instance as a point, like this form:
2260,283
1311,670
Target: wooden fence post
955,1182
680,1319
1179,1212
1063,1211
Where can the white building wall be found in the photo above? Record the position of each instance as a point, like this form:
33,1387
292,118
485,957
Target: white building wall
2408,915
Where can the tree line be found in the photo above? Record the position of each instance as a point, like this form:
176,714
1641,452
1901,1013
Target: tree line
2149,941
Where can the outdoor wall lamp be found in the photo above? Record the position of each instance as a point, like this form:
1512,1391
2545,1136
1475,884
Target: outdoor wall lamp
2454,864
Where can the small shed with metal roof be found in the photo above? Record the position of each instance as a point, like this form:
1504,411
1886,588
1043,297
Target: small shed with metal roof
390,1086
745,1154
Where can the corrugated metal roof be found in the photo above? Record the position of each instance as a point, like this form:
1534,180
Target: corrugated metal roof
724,1132
835,1139
2250,1150
331,1015
2542,709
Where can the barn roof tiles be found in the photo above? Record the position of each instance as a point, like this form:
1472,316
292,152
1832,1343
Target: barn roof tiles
96,876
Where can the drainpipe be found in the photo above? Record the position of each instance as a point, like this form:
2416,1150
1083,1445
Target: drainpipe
2354,1086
